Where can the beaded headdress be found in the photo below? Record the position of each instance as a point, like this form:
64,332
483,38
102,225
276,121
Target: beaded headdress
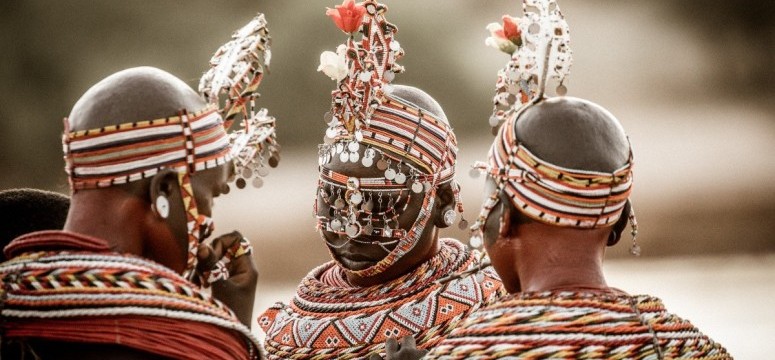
187,142
539,47
414,148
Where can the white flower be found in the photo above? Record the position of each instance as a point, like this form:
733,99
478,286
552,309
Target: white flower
334,64
497,40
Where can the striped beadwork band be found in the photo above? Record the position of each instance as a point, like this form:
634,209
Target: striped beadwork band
554,194
128,152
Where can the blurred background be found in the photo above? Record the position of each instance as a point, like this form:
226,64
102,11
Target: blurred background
690,80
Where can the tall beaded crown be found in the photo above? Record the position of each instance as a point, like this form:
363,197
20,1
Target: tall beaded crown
539,45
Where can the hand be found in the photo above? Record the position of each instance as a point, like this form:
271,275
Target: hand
231,272
406,351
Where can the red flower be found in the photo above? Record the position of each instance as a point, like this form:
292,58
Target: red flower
348,16
510,30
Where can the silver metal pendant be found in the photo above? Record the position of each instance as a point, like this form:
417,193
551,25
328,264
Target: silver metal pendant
354,156
417,187
400,178
367,161
390,174
344,156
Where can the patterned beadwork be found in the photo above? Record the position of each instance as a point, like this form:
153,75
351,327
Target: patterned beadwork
330,319
85,282
577,325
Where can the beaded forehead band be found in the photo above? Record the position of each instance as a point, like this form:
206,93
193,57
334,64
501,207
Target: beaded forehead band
539,48
415,149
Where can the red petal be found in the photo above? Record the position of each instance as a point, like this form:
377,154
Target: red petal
334,15
510,28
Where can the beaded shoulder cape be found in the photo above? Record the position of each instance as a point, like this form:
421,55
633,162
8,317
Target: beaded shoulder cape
62,286
329,319
577,325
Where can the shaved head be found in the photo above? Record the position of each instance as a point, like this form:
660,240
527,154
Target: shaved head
141,93
421,99
574,133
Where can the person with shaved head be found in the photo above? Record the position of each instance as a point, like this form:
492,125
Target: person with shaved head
559,180
146,156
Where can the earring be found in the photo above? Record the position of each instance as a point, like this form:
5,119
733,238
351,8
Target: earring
449,217
635,248
162,206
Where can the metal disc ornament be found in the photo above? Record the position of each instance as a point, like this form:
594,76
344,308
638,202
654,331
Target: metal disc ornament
331,133
476,241
417,187
368,229
258,182
367,161
368,206
353,230
390,174
354,156
400,178
382,164
353,146
356,198
344,156
339,204
247,172
262,171
336,224
241,183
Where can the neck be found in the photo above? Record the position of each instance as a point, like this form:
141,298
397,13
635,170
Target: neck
552,258
100,213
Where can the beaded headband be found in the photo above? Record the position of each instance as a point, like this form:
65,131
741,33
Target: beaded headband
544,192
415,148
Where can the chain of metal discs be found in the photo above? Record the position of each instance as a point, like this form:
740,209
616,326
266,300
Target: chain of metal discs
352,204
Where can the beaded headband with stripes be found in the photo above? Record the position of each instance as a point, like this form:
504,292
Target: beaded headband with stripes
416,149
539,47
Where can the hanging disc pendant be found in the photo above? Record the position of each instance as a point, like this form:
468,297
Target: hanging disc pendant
353,230
368,230
258,182
390,174
354,156
344,156
262,171
339,204
331,132
336,225
356,198
400,178
382,164
368,206
417,187
353,146
339,147
367,161
463,224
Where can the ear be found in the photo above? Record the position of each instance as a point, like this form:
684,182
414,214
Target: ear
165,184
445,201
620,225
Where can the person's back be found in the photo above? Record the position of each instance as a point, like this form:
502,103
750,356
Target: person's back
126,277
559,177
